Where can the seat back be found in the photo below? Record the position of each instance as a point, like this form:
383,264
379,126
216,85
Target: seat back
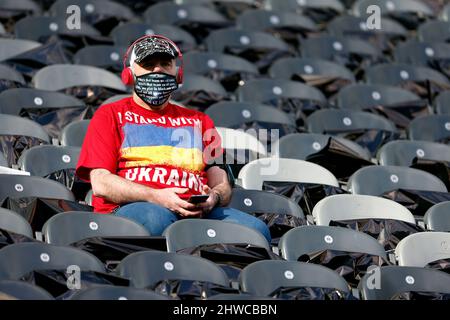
68,227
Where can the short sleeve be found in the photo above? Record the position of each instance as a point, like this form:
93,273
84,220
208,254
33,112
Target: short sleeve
212,144
101,144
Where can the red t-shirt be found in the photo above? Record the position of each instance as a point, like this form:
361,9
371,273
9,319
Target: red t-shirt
161,149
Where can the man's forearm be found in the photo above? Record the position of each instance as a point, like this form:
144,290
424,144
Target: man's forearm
218,182
117,189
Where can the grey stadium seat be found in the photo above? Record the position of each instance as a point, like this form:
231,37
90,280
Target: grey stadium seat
73,134
437,217
434,127
105,292
69,227
18,259
309,239
62,76
264,277
147,268
11,221
403,152
189,233
24,291
47,159
394,280
376,180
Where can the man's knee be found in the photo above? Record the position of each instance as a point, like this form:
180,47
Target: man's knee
153,217
243,218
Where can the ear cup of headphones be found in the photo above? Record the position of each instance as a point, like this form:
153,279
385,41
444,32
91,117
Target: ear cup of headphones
180,75
127,76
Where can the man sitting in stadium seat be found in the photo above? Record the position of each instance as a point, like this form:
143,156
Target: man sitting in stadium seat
145,156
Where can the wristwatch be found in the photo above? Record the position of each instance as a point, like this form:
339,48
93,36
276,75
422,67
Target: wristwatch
219,198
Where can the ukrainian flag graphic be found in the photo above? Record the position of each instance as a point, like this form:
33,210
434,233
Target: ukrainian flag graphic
148,144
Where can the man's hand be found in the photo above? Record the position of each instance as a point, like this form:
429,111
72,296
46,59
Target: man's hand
168,198
210,203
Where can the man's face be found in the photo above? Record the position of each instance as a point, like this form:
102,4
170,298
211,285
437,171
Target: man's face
162,63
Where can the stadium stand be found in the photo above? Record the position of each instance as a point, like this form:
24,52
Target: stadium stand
337,132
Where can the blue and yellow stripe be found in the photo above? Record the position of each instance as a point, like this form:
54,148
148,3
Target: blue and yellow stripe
155,145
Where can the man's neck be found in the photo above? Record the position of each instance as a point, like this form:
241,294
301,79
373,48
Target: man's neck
142,104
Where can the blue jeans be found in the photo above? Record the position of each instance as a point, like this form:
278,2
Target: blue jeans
156,218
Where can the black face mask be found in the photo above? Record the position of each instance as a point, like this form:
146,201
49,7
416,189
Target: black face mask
155,88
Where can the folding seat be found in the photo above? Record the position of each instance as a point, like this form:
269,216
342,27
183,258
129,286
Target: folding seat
35,198
327,76
101,56
301,145
437,217
23,291
240,147
404,152
56,163
52,110
434,55
398,105
424,249
79,81
376,180
12,10
10,78
430,128
102,14
350,253
278,212
11,221
69,227
125,34
434,31
199,92
428,156
247,115
344,207
384,38
19,134
410,13
41,28
367,129
254,174
442,103
287,24
405,283
230,9
190,233
383,219
117,293
230,70
196,19
116,98
73,134
292,279
339,155
19,259
355,54
260,48
320,11
415,189
423,81
302,181
2,29
162,271
294,98
11,48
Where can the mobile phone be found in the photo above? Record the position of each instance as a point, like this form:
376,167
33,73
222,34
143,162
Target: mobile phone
195,199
